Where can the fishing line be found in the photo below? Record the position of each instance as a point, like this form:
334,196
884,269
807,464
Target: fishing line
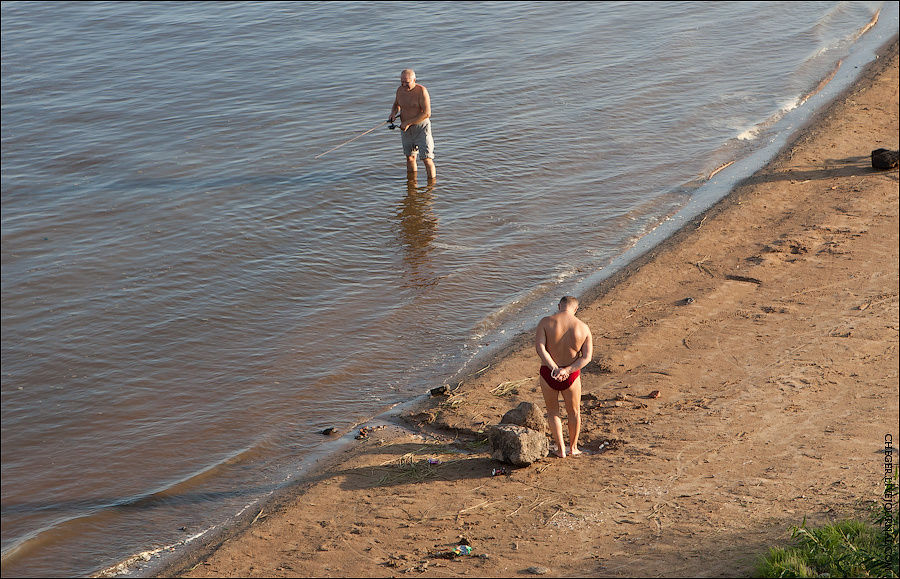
378,126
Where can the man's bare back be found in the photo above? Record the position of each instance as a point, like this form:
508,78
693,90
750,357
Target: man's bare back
565,338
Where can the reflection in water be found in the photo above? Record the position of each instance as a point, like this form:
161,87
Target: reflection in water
418,228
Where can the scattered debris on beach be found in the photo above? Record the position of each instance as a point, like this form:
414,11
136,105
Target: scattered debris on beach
366,430
510,388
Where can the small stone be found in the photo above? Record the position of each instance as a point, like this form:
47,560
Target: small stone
538,570
654,394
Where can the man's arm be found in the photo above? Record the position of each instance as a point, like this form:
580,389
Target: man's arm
540,344
584,354
395,108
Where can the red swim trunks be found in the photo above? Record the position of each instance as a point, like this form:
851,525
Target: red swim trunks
558,384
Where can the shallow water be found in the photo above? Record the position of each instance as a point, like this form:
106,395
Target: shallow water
189,296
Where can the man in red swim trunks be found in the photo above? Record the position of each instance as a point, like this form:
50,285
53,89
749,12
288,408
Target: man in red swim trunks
565,346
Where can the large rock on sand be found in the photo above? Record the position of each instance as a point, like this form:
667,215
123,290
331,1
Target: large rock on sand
528,415
517,445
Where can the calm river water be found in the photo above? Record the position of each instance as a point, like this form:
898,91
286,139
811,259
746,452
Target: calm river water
189,297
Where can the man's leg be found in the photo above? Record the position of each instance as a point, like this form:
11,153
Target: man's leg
551,400
429,168
411,164
572,397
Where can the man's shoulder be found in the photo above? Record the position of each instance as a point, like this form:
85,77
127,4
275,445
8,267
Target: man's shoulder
547,321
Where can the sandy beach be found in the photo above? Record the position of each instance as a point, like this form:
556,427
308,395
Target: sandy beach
769,326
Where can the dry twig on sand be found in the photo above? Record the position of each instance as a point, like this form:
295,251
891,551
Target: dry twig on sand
507,388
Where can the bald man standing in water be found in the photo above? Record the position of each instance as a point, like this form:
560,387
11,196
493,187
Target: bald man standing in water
565,346
414,105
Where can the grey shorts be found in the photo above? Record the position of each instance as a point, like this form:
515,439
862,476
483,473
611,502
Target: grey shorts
418,137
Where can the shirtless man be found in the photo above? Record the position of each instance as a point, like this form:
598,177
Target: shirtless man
414,105
565,346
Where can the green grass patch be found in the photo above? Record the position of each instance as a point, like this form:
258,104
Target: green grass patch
849,548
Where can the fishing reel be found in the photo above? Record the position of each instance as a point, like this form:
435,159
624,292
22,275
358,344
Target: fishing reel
392,126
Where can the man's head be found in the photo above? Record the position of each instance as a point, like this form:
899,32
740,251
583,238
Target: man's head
408,79
568,303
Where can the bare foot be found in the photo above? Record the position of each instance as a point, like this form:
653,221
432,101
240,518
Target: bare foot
574,451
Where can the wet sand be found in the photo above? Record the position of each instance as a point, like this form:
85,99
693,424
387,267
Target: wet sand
778,382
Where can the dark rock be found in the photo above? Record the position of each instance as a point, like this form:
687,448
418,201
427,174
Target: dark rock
440,391
744,278
885,159
528,415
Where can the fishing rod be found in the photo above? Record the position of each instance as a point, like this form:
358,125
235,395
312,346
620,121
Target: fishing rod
378,126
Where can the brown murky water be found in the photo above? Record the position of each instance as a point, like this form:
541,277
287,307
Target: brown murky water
189,297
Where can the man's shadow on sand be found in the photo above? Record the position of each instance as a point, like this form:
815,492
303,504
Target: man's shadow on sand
417,463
